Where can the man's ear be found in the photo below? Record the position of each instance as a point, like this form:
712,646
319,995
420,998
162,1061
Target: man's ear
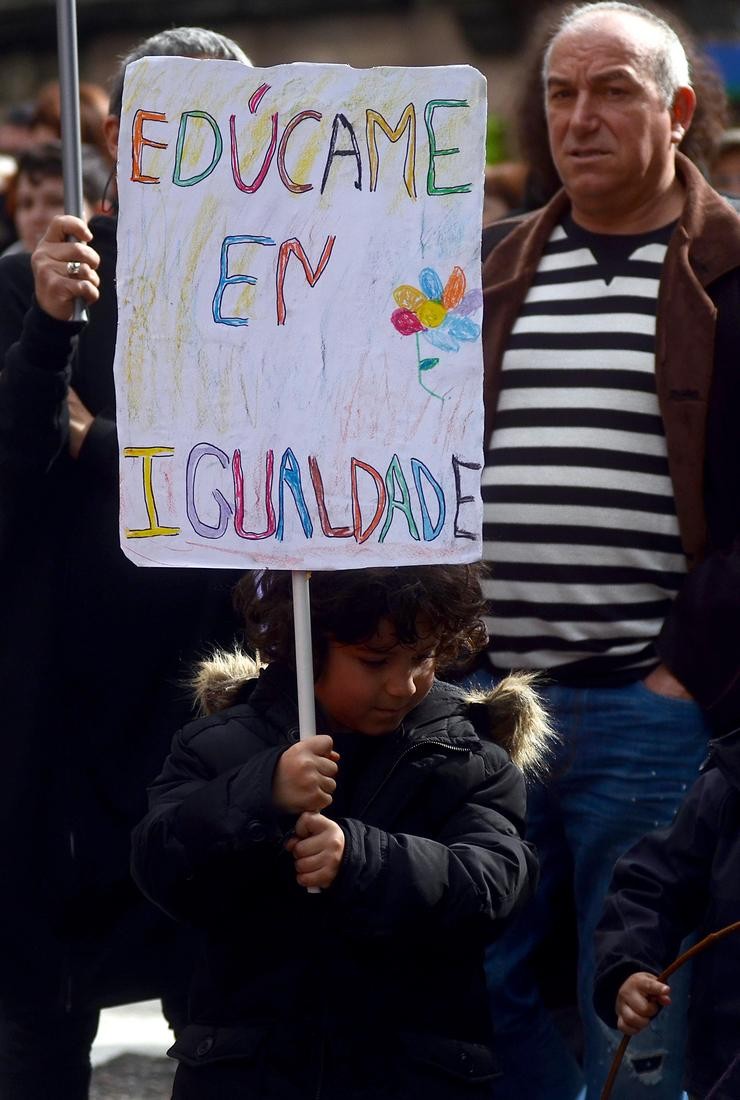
682,112
111,126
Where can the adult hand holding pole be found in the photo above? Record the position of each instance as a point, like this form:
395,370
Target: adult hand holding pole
65,268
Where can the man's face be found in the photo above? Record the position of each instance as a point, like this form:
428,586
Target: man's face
611,135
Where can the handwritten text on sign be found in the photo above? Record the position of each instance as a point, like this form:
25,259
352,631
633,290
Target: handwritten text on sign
298,366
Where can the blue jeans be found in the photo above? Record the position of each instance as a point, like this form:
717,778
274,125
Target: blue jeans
626,759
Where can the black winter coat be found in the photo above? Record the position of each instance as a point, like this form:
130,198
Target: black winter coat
672,882
375,987
93,652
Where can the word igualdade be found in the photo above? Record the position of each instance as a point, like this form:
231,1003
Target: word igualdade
391,496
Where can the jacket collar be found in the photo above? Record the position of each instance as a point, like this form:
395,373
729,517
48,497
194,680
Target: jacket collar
437,713
273,692
709,226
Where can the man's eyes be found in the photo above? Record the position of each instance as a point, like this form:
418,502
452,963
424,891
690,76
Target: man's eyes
611,91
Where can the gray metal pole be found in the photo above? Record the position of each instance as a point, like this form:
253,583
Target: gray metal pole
69,88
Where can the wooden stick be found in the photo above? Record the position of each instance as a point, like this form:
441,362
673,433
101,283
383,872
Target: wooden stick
712,938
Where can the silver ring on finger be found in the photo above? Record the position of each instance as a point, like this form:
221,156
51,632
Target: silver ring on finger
73,268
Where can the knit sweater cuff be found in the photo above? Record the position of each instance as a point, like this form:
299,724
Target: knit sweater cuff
46,343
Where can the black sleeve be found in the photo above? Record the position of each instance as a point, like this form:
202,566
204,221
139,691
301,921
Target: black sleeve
199,820
16,295
34,420
659,893
700,640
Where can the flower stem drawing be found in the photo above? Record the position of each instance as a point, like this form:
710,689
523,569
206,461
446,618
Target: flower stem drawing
424,365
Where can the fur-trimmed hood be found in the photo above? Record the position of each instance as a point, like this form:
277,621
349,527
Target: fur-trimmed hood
510,714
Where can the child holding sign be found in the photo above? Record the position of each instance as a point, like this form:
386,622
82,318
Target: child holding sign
407,811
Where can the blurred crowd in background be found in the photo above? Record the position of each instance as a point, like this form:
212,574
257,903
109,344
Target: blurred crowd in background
519,174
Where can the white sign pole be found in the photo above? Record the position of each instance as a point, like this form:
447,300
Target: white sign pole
304,661
303,654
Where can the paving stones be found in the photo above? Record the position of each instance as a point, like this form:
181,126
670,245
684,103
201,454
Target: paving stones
133,1077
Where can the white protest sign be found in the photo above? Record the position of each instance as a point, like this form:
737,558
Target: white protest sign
298,365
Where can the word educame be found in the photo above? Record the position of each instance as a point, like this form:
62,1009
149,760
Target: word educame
341,126
392,495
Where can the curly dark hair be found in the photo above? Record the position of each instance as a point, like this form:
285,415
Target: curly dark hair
347,606
699,143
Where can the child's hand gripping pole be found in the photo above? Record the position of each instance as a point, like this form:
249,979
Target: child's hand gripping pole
304,661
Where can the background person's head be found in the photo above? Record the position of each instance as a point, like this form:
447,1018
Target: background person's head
724,171
698,142
36,192
46,122
176,42
618,101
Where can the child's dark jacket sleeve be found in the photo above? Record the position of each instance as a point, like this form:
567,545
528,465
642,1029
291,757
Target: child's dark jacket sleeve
659,893
204,810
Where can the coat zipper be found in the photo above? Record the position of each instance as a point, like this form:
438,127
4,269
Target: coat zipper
408,752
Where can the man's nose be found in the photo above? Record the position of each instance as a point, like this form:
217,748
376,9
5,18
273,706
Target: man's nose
583,114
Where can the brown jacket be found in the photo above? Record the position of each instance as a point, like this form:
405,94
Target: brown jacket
697,370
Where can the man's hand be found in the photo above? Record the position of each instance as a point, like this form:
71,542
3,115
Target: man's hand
662,681
80,421
55,287
639,999
304,778
317,848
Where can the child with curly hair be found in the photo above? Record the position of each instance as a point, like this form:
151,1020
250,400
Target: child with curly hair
406,810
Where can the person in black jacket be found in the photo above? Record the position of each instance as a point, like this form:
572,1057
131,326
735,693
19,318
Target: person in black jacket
375,988
675,881
92,655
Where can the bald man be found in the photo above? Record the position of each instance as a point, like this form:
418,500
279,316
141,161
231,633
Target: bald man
611,491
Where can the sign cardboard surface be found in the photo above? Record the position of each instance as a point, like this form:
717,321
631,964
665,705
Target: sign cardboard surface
298,365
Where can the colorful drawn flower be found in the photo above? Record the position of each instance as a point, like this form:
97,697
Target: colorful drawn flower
441,314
